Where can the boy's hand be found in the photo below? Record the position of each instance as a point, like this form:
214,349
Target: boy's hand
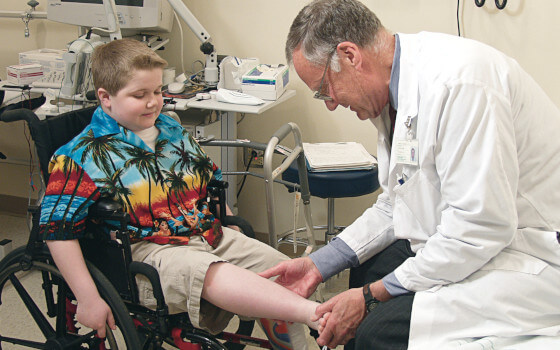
95,313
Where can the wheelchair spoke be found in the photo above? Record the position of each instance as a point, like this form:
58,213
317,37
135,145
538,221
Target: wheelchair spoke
32,307
26,343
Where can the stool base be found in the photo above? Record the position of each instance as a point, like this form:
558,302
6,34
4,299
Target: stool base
287,237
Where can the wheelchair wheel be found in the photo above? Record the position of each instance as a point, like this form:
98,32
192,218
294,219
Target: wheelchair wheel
36,308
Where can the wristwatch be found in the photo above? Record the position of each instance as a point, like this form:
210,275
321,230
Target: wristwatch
371,301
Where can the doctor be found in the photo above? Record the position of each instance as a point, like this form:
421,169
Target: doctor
460,250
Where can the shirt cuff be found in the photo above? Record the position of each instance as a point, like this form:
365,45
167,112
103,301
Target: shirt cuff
334,258
393,286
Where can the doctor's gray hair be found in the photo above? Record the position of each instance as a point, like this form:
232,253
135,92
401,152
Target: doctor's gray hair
323,24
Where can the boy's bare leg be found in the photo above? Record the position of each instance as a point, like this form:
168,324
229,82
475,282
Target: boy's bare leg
245,293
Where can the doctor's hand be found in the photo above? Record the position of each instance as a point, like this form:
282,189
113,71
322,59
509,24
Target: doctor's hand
340,317
298,275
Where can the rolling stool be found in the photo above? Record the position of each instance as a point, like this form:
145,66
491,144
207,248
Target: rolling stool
334,184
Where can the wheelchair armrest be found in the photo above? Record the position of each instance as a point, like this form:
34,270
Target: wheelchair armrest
217,189
109,209
106,207
152,275
19,114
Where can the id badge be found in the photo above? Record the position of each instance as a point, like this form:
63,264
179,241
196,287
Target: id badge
406,152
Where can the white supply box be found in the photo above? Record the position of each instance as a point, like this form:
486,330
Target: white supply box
49,59
266,81
23,74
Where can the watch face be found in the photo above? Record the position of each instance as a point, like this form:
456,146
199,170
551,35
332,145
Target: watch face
372,304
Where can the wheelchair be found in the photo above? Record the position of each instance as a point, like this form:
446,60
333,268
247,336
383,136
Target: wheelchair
51,309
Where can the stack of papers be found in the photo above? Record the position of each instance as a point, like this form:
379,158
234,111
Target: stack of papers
337,156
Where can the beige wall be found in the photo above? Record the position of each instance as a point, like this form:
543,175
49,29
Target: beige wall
526,30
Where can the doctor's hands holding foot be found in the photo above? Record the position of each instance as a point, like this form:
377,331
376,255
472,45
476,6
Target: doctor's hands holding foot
340,316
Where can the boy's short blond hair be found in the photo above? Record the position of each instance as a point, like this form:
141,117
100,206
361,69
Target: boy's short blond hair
113,64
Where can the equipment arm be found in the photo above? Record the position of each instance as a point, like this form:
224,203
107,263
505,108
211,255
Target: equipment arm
211,67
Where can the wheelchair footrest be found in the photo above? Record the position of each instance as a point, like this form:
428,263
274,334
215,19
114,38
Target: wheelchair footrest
245,340
180,343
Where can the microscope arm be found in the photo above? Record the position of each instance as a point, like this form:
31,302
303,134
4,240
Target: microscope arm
112,19
211,67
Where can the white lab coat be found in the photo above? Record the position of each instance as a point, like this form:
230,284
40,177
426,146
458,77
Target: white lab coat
482,207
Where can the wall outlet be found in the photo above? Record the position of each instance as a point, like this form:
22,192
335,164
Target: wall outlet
256,159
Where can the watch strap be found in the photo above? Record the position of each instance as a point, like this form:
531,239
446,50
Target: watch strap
370,300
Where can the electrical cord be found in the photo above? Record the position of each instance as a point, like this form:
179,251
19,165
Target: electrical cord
458,20
117,25
182,41
242,117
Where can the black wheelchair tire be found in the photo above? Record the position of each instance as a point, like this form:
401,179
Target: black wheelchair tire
10,266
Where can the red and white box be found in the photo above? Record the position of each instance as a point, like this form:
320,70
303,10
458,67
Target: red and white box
23,74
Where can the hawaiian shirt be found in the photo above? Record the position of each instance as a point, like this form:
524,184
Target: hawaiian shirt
163,190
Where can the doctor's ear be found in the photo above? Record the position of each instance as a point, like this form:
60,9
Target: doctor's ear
349,53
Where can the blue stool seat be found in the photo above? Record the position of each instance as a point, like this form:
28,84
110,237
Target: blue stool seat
335,184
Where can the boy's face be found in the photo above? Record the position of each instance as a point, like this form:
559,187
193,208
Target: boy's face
137,105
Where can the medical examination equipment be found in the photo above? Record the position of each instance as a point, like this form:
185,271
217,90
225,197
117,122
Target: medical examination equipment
25,16
132,15
78,65
211,66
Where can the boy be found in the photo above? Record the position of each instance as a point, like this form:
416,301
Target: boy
150,163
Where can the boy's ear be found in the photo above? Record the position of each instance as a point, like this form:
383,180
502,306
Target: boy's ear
104,97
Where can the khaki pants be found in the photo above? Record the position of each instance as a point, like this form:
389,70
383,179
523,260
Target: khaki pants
182,270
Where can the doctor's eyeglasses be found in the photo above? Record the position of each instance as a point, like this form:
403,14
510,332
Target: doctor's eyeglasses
319,93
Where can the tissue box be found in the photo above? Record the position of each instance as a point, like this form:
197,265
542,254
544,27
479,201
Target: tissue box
23,74
49,59
232,70
266,81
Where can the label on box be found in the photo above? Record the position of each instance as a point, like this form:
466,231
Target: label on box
22,74
265,74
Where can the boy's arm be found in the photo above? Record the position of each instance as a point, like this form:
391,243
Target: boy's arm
92,311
